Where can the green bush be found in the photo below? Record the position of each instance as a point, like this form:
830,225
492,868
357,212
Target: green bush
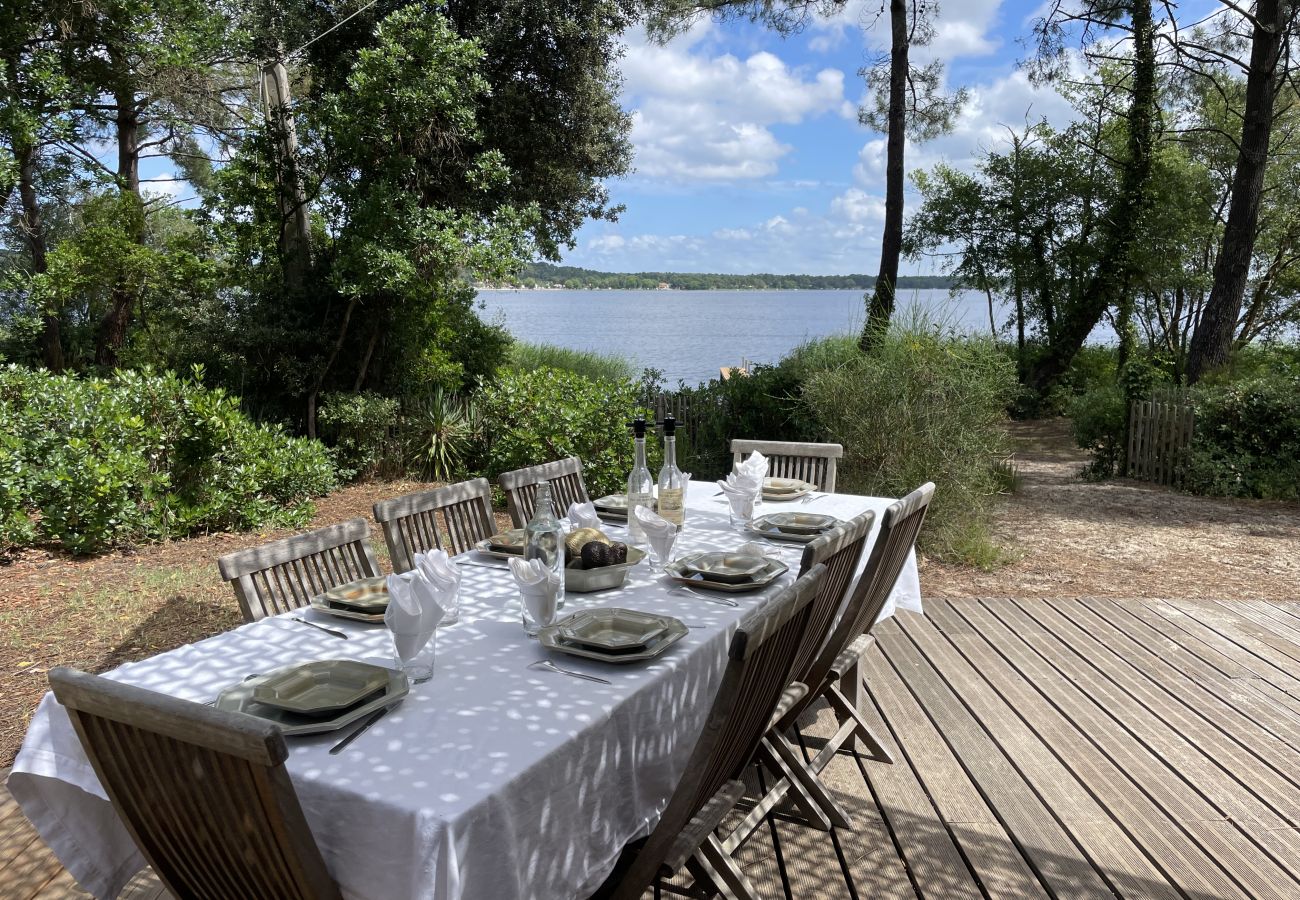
525,357
924,406
1098,418
534,417
91,463
359,428
1247,441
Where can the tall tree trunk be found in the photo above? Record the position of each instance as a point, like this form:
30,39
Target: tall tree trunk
1212,339
113,326
295,224
1113,279
33,229
880,308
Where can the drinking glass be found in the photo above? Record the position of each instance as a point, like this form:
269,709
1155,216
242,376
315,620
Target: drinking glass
414,654
538,609
741,510
661,549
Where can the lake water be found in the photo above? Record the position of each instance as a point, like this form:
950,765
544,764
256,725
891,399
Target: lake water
691,334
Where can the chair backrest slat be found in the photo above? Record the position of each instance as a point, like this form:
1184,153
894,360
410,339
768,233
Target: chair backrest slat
203,792
898,530
520,487
286,574
840,550
411,525
814,463
758,669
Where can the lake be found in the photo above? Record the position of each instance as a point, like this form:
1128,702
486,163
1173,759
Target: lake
691,334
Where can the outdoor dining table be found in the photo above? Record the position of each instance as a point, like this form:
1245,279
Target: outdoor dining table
493,780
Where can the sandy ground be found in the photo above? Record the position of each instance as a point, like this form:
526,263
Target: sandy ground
1068,538
1124,538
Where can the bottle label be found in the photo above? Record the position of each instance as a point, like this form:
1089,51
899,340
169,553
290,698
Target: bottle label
670,504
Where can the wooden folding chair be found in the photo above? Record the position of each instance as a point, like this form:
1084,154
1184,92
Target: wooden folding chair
813,463
520,487
285,575
840,551
203,792
758,669
452,518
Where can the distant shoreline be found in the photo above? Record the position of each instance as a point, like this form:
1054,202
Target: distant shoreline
713,290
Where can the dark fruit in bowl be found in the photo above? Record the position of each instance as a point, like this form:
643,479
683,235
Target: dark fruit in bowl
617,554
595,555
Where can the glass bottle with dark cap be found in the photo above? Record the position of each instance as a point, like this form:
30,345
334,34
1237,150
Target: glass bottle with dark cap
640,486
672,481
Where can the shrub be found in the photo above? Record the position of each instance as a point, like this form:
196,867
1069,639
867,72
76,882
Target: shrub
534,417
589,364
1247,441
923,406
1098,418
441,435
90,463
360,431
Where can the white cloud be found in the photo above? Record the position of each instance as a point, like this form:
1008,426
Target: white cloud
698,116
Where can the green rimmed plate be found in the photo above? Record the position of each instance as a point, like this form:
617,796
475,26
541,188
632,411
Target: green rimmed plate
613,630
367,595
729,568
239,698
680,571
324,686
550,638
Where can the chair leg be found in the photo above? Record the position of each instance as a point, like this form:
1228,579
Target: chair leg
712,864
846,710
837,815
795,789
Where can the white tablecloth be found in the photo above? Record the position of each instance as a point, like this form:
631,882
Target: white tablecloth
491,781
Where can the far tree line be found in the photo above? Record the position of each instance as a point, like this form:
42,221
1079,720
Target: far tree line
549,275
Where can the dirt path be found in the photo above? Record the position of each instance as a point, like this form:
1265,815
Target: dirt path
1072,538
1125,538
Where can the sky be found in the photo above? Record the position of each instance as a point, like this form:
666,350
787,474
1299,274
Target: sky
748,152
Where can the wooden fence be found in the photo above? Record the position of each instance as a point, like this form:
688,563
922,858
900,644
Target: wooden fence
1159,435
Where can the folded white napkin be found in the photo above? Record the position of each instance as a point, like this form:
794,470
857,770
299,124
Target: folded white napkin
583,515
741,491
539,585
444,577
658,531
754,467
413,612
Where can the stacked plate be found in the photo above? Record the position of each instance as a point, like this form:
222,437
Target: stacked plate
786,488
800,528
315,697
614,507
504,545
613,635
729,572
365,600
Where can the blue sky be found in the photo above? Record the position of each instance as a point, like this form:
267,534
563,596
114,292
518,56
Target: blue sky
749,156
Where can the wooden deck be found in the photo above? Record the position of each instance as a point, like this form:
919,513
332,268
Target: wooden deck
1075,748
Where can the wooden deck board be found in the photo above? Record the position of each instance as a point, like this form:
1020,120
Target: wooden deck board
1071,748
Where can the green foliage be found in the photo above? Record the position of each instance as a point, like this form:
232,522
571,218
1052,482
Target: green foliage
359,429
1098,417
526,357
442,435
534,417
1247,441
92,463
540,274
924,406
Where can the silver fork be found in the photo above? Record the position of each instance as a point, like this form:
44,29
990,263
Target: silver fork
547,664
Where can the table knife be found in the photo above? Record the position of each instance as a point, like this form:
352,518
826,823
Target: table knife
370,720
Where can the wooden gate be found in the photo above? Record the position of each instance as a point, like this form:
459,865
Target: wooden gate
1159,435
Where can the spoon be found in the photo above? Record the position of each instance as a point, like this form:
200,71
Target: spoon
547,664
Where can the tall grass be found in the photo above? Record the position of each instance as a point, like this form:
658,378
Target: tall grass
526,357
926,405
